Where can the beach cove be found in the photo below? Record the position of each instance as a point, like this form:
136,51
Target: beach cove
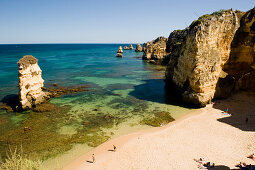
117,101
224,140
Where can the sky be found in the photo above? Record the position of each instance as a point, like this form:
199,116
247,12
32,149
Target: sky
102,21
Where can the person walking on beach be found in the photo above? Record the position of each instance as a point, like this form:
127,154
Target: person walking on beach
114,148
93,158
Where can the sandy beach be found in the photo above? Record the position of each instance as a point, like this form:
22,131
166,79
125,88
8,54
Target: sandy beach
221,139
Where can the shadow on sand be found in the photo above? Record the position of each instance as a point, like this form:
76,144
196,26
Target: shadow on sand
241,106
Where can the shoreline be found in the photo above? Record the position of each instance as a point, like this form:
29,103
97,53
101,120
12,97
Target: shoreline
122,140
226,145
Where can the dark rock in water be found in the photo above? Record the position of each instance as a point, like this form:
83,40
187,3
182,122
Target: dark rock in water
59,91
55,84
4,106
125,48
85,122
131,47
107,117
11,103
119,55
44,107
26,129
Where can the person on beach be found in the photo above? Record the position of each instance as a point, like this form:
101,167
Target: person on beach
114,148
93,158
252,157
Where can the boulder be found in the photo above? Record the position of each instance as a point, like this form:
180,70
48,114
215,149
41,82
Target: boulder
131,47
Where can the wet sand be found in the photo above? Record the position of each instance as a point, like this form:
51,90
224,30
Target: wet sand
221,139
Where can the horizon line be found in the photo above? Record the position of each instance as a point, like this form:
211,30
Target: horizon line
60,43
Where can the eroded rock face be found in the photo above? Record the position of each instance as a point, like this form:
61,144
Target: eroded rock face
139,48
241,64
155,50
205,45
30,83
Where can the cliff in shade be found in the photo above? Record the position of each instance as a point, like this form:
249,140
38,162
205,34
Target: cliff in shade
241,64
212,57
30,83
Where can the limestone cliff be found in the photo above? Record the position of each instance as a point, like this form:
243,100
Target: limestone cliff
155,50
30,83
196,61
241,64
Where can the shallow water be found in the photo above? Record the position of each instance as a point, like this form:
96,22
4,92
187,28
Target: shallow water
123,94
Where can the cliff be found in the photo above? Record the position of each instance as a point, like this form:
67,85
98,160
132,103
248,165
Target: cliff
198,54
155,50
30,83
241,64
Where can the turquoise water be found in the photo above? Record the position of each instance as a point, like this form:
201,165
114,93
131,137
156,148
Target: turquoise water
123,92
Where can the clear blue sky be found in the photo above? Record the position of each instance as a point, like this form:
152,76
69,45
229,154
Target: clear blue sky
102,21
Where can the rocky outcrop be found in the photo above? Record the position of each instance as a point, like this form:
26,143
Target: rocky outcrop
131,47
139,48
125,48
198,53
155,50
241,64
120,50
30,83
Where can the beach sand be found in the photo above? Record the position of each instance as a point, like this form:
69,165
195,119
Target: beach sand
222,139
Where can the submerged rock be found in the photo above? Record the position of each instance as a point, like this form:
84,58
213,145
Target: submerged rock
31,83
139,48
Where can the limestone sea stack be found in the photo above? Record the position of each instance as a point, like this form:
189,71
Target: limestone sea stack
131,47
31,83
120,50
139,48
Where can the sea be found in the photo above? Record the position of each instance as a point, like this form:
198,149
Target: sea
124,95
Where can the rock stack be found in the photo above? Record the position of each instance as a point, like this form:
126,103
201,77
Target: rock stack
125,48
119,52
131,47
139,48
30,83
